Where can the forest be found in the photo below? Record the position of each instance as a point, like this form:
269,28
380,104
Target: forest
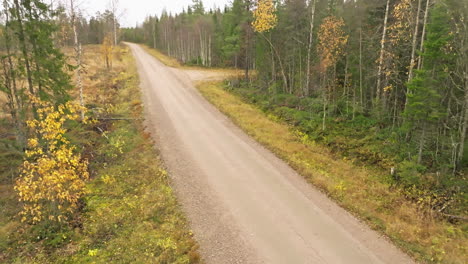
379,87
382,82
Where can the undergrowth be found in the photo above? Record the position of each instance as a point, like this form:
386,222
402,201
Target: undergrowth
368,141
366,191
130,213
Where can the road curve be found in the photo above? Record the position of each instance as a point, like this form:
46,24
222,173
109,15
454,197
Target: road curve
243,203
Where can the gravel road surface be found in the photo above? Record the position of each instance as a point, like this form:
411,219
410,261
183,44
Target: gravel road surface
244,204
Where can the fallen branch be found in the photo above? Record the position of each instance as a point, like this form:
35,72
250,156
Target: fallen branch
119,118
454,217
103,132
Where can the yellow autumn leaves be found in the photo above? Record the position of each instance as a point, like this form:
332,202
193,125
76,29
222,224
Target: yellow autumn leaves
264,16
399,28
332,38
53,175
106,50
332,41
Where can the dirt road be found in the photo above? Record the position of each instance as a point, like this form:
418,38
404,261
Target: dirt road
244,204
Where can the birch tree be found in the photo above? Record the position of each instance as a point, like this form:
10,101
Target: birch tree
114,7
265,19
77,47
382,52
332,40
309,47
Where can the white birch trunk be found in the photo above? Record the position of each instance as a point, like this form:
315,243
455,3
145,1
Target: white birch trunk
382,50
414,43
309,48
423,35
77,57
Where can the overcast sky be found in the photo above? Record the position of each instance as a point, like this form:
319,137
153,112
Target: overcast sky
136,10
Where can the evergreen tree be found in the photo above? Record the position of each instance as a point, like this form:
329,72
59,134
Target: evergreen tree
425,91
45,65
233,21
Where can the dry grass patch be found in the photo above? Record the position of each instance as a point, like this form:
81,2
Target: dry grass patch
3,103
196,72
168,61
355,188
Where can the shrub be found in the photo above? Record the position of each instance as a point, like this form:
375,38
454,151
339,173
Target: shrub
52,178
410,173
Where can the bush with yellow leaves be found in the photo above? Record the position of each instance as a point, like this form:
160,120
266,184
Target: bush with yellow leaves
53,174
107,50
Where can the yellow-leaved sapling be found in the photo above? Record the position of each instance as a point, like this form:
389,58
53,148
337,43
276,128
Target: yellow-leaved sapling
53,174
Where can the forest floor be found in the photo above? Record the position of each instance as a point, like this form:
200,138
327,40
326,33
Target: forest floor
355,186
131,214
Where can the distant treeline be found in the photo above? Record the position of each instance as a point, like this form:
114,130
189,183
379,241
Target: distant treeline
90,30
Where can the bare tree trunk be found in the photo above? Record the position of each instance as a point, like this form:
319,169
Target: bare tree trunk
325,101
283,74
77,57
465,119
165,39
421,143
247,54
273,65
382,50
395,108
154,33
114,4
414,43
361,95
17,100
309,48
115,31
210,55
324,117
14,100
345,86
423,35
301,80
248,34
202,51
354,101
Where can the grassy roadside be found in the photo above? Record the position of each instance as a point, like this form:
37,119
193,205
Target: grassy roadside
168,61
174,63
356,188
130,213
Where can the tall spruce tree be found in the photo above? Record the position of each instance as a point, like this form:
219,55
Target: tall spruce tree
45,65
425,91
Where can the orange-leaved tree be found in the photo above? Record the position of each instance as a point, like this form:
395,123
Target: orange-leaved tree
332,41
53,174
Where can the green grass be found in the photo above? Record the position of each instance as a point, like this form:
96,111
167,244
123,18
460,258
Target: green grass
359,189
130,212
